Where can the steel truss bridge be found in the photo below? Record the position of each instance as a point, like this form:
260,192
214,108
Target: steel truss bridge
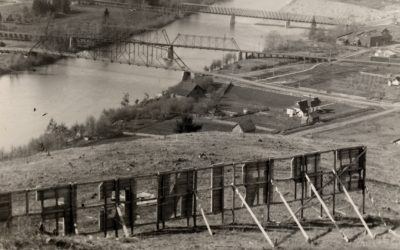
227,44
150,50
125,51
186,8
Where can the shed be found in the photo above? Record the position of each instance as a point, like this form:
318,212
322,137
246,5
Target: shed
188,89
385,53
366,38
375,38
244,126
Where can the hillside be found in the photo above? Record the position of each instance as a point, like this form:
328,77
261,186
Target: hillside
335,9
148,155
145,155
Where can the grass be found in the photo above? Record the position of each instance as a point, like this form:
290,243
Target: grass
346,78
375,4
89,19
150,155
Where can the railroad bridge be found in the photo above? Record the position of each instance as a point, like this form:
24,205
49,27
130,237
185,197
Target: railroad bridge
188,8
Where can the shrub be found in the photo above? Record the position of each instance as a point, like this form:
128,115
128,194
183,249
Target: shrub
105,128
90,126
40,7
186,125
125,100
216,64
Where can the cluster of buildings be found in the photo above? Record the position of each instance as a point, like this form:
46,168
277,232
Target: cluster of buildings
366,38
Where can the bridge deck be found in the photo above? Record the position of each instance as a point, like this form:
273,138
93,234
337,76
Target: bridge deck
220,10
271,15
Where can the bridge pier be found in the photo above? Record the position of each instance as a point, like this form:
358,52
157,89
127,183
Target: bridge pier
171,53
233,20
180,13
72,43
240,57
287,24
186,76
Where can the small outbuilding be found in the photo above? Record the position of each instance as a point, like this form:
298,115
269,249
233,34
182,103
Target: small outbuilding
188,89
385,53
244,126
366,38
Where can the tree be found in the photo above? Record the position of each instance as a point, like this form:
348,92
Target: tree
125,100
273,40
66,7
42,7
186,125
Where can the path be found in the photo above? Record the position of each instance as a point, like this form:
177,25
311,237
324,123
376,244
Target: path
355,100
337,125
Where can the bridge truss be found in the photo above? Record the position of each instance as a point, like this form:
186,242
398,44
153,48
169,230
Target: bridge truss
206,42
150,49
125,51
262,14
220,10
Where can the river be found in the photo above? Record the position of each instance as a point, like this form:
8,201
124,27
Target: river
72,89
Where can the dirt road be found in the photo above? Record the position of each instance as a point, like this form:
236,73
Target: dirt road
344,123
356,100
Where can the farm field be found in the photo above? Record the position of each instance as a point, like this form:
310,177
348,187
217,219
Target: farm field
346,78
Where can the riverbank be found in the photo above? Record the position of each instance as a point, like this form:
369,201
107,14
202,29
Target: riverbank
331,8
82,19
15,63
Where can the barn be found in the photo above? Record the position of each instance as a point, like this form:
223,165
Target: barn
244,126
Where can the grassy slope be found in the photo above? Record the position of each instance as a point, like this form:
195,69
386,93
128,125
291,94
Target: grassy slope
158,154
378,135
146,155
333,9
374,4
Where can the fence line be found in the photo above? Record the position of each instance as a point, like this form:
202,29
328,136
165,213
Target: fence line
172,198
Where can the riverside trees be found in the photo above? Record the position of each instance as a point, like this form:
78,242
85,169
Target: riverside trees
42,7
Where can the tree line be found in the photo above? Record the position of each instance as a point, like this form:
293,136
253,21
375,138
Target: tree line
43,7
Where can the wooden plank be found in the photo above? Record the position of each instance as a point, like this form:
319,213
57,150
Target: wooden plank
5,207
250,180
326,208
106,188
350,200
53,215
102,222
254,217
203,214
187,196
293,215
217,189
121,217
5,198
254,181
49,194
268,176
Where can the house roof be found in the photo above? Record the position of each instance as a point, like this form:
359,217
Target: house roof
303,105
185,88
315,102
246,125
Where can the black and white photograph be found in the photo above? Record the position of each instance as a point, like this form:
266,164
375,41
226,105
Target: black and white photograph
199,124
